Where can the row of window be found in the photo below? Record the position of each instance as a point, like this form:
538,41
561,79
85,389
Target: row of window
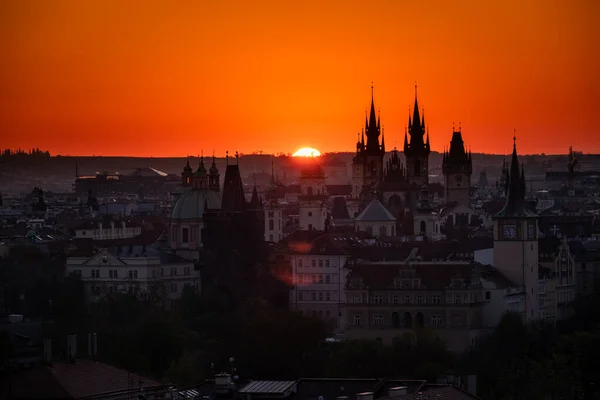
314,296
315,278
313,263
132,273
379,320
458,298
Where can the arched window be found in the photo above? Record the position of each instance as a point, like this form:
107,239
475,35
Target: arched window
382,231
369,230
407,320
309,191
185,235
395,320
419,320
423,227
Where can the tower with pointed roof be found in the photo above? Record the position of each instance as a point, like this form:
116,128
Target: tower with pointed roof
417,148
186,175
516,238
367,165
457,167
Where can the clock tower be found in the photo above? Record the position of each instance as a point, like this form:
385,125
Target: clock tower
457,167
516,239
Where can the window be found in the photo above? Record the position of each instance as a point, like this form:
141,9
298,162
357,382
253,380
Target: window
271,225
173,287
378,320
173,271
457,299
395,299
328,296
488,295
327,278
133,274
270,238
186,270
300,263
320,278
310,214
356,320
313,296
320,263
300,296
162,272
419,300
270,214
436,320
378,299
407,300
313,263
435,299
95,273
185,235
320,296
113,273
423,227
327,263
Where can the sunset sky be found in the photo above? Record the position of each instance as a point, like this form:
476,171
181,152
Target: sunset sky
171,78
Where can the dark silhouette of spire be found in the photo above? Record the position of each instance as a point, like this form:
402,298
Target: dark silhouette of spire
515,202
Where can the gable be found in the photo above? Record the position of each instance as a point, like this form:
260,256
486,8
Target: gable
103,257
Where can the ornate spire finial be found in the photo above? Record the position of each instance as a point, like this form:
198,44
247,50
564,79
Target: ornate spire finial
227,157
514,136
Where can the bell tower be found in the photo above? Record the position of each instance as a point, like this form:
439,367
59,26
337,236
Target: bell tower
457,167
516,238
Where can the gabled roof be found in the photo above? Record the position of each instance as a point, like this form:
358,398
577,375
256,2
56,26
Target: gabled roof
375,212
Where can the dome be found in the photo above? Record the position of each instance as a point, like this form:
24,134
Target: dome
190,205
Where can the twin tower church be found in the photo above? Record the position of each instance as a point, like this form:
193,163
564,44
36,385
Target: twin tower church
403,189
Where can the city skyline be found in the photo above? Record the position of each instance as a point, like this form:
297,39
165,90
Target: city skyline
150,79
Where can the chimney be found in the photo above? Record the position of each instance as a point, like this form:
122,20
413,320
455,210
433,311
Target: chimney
47,351
92,344
364,396
398,391
71,347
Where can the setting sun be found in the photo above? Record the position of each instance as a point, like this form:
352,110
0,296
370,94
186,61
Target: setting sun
307,152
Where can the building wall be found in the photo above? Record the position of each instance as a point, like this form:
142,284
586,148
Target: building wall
518,260
105,274
318,287
432,225
458,188
376,228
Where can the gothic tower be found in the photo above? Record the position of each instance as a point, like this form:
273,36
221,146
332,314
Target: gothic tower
457,167
515,238
367,165
417,149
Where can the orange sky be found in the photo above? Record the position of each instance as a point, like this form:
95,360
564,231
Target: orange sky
170,78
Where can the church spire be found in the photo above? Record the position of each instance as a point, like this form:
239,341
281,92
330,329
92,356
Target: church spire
372,117
515,201
416,119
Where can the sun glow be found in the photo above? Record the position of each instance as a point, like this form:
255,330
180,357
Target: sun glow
307,152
